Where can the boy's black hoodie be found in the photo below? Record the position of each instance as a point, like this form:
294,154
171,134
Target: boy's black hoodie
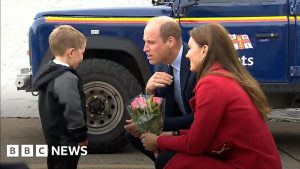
61,104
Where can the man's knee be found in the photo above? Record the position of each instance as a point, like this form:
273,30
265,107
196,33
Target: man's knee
163,158
130,138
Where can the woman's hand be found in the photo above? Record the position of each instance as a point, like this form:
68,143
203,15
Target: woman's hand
166,133
149,141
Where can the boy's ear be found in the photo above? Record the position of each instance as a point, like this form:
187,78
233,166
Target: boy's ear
70,51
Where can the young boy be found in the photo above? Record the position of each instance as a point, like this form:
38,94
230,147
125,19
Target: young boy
61,97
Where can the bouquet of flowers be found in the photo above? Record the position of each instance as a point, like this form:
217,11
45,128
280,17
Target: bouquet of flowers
147,112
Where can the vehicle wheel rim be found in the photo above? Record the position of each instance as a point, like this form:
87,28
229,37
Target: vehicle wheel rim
104,107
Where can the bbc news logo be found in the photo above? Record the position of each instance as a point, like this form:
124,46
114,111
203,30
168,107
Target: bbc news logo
42,150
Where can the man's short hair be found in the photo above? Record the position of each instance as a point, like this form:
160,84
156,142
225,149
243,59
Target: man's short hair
64,37
168,27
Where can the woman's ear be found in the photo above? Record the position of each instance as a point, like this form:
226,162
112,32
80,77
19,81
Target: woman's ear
205,49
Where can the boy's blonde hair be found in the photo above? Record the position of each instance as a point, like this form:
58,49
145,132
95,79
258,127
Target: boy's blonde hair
64,37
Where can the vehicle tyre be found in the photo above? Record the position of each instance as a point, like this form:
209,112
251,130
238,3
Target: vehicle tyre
108,87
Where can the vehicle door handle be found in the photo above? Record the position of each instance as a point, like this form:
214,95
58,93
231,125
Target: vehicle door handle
298,9
267,36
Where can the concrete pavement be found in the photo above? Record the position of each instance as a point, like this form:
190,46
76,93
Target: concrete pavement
28,131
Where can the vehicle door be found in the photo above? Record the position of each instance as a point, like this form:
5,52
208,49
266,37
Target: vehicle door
297,39
259,31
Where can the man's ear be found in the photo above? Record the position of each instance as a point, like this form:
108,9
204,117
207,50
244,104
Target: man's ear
171,41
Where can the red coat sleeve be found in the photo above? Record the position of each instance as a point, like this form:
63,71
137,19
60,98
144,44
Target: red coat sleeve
209,108
183,132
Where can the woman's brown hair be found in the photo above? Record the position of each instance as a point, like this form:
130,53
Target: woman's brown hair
221,50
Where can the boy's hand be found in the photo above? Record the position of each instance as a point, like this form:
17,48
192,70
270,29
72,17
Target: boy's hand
132,128
84,143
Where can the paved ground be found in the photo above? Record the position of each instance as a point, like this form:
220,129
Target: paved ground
28,131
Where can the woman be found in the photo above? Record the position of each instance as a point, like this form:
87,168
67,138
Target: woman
229,129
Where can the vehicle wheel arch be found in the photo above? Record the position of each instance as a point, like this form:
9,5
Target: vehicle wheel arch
123,52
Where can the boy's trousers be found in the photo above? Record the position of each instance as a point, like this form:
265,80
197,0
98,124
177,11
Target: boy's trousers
62,161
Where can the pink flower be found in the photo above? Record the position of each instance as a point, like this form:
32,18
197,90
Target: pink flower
134,105
157,100
139,102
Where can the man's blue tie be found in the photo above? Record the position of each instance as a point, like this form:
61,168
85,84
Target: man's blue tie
170,100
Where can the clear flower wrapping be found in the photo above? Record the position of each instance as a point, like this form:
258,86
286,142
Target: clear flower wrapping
147,112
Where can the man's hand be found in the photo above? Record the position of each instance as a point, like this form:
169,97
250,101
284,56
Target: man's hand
83,143
157,80
149,141
131,128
